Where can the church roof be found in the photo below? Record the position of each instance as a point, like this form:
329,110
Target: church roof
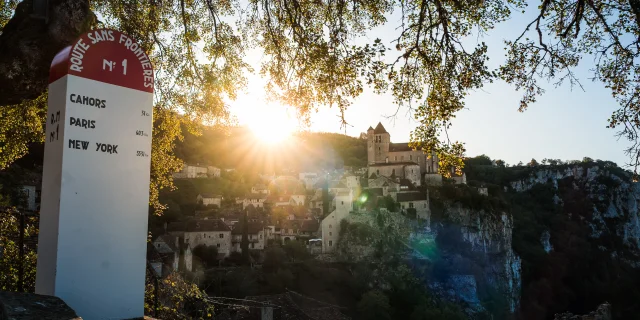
404,146
379,129
403,163
370,128
197,225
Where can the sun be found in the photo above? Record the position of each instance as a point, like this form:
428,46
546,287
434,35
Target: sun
272,124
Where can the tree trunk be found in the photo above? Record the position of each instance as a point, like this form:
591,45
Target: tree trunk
28,44
635,7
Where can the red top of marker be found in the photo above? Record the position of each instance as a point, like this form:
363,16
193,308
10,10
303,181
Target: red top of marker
108,56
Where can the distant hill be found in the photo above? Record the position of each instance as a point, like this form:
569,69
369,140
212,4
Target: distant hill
238,148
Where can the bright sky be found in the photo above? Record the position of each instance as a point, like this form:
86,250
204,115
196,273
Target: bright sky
564,123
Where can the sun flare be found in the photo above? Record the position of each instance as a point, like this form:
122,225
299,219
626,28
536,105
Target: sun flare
272,123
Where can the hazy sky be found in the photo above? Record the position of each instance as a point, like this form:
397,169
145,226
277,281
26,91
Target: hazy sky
564,123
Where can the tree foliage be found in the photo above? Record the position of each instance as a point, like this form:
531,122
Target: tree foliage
374,305
319,53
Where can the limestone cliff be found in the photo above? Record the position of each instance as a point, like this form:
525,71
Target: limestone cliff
576,228
544,241
611,194
485,259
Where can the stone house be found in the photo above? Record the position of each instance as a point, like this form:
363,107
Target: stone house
432,179
404,170
389,186
191,172
338,186
316,203
415,200
213,172
176,255
260,188
255,233
309,179
351,181
255,199
459,179
209,199
209,232
281,201
299,199
308,229
288,230
330,225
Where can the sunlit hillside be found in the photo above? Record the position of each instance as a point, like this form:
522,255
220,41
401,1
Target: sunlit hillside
239,148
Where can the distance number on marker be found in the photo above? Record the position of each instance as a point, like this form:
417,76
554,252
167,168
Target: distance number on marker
142,154
141,133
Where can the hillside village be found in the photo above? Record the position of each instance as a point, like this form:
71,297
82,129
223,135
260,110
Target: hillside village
337,235
306,207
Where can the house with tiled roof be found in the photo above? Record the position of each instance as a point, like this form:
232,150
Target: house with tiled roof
255,233
208,232
209,199
175,255
280,200
260,188
191,171
417,200
337,186
330,225
257,200
309,229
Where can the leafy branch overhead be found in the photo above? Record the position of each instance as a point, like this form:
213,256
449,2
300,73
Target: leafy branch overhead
323,53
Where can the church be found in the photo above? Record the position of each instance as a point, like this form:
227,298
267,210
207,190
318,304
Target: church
397,160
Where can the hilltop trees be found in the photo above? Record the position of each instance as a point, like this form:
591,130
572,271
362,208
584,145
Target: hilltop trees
315,57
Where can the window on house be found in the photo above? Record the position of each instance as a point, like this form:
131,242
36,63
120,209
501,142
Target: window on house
221,235
330,233
330,226
410,157
342,202
330,243
395,158
377,171
218,245
410,204
204,235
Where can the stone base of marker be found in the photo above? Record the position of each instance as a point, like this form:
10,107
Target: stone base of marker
31,306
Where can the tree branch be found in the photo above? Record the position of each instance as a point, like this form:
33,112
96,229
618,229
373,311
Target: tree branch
28,45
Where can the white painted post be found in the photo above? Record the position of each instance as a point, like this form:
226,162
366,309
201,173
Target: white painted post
95,186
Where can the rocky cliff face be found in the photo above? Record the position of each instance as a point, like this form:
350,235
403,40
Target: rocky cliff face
546,240
490,253
613,198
